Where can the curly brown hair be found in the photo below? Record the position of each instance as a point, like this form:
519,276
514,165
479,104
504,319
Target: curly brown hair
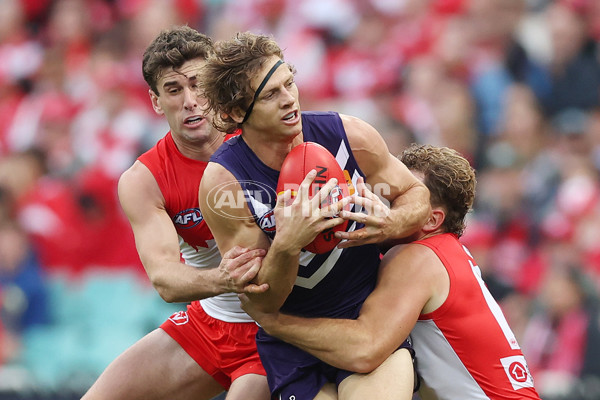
450,179
171,49
225,79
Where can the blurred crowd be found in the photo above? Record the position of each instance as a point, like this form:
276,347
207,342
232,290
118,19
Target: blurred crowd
514,85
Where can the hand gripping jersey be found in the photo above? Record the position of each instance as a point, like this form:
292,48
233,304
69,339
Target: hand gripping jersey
332,284
465,349
178,178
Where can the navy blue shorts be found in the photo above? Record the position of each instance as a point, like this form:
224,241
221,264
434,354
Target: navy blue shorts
295,374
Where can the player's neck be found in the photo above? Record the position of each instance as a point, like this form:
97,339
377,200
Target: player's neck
199,149
426,235
272,153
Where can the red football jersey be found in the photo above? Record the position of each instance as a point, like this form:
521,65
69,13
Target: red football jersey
178,178
465,349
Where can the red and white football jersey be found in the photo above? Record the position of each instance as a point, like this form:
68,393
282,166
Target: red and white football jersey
465,349
178,178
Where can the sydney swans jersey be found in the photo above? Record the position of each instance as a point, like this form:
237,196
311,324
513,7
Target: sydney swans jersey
178,178
465,349
333,284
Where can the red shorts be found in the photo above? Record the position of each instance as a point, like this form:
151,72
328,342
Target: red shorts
225,350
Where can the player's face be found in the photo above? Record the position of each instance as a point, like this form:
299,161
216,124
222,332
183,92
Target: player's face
277,110
180,102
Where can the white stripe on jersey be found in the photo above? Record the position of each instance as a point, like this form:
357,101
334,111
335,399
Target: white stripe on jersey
343,155
306,256
495,309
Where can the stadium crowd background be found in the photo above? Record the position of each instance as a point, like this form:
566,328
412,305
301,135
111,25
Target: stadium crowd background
514,85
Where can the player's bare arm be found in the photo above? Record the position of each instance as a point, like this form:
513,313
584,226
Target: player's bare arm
232,225
386,318
158,246
389,177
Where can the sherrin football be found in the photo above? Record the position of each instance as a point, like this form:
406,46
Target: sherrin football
298,163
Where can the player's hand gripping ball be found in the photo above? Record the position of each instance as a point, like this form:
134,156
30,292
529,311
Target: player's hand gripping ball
297,164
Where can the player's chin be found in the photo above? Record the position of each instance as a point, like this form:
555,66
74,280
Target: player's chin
198,131
295,131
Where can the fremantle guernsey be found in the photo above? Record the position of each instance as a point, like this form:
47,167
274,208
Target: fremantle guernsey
333,284
465,349
178,178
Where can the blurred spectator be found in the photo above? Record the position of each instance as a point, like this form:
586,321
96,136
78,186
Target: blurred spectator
575,66
23,301
523,140
45,208
590,372
108,239
556,335
499,59
74,225
22,280
5,346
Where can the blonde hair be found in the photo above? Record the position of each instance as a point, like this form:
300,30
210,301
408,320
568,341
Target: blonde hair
450,179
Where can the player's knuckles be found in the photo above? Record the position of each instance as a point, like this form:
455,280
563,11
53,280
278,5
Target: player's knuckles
259,252
356,235
235,251
326,190
377,224
251,257
360,201
240,270
304,186
361,235
248,289
252,288
224,268
363,218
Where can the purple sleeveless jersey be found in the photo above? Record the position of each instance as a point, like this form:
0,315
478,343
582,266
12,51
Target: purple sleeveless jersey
334,284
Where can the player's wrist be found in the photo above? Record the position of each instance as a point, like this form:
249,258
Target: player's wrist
285,247
217,282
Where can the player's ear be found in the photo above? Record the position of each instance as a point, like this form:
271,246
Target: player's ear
155,100
435,221
237,115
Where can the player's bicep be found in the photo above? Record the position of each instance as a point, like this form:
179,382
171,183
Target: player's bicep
155,236
387,176
403,288
234,232
226,213
394,179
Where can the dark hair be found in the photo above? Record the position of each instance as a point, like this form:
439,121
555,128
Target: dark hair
225,79
450,179
171,49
